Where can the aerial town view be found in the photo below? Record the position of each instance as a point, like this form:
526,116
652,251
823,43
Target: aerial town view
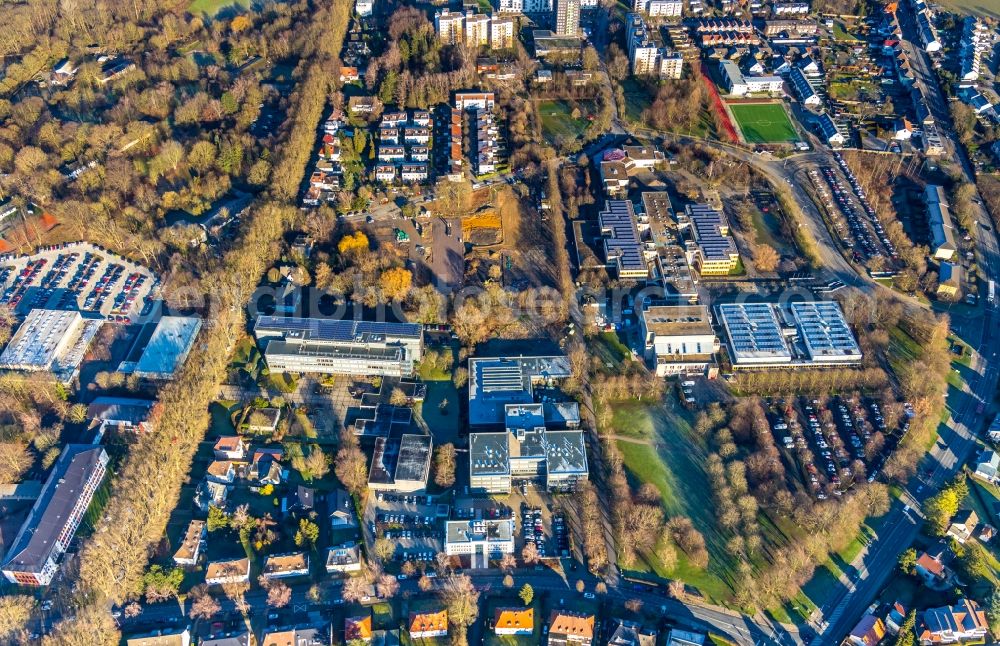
501,322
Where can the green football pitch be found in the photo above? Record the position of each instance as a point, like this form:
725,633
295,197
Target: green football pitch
763,123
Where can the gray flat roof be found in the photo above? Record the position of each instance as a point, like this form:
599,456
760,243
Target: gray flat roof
119,409
489,454
565,452
277,347
526,416
168,347
403,459
466,531
334,331
496,382
414,458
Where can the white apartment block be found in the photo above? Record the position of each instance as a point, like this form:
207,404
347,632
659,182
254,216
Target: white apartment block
470,28
537,6
450,26
502,33
349,347
477,29
567,17
646,57
659,8
665,8
510,6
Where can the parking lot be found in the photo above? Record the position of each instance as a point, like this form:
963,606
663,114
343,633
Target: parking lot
859,229
415,523
77,276
836,443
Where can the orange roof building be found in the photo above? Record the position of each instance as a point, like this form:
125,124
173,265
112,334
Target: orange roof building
428,624
514,621
575,627
358,628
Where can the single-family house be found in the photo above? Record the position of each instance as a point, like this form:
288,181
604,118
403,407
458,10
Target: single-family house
358,627
963,525
317,635
895,617
299,499
230,447
630,633
221,471
211,493
962,623
265,466
341,507
988,466
931,566
902,129
867,632
993,432
265,420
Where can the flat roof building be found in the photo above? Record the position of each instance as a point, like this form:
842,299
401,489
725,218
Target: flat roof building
496,382
712,249
169,346
349,347
811,334
401,463
526,450
34,554
50,340
483,539
623,249
679,339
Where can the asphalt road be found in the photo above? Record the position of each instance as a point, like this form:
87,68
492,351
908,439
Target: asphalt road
561,592
958,441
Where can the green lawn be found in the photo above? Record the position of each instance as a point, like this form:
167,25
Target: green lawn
987,8
763,122
557,118
673,461
637,99
221,414
212,7
840,33
767,227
